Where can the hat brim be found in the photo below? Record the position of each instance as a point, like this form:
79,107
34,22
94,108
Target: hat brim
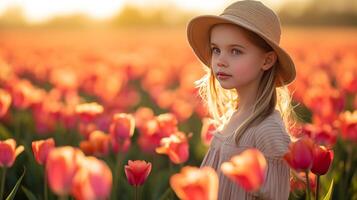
198,37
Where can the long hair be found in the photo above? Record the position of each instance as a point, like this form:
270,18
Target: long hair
221,103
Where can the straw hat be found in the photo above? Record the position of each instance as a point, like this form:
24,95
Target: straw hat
252,15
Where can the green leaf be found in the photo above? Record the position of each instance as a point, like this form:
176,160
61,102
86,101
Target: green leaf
4,133
329,192
16,187
166,194
28,193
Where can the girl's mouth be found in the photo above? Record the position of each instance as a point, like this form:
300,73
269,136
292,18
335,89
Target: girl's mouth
223,77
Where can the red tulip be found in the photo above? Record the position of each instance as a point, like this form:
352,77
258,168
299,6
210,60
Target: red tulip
348,125
88,111
41,149
300,155
61,166
322,160
137,172
9,152
122,126
247,169
194,183
176,147
93,180
5,101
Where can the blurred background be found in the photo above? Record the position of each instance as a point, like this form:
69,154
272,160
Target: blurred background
133,57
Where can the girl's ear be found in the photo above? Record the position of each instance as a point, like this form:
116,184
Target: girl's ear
269,60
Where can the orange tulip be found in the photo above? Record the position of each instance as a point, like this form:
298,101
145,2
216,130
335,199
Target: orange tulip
98,144
9,152
194,183
88,111
93,180
142,115
248,169
137,172
122,126
176,147
5,101
300,155
167,123
41,149
61,166
322,160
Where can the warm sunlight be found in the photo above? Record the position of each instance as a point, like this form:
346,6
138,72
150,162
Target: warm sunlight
40,10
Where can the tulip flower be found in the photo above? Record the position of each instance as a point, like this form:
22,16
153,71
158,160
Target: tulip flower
348,125
300,154
137,172
5,101
98,144
176,147
322,161
93,181
88,111
195,183
41,149
248,169
122,126
300,157
167,123
61,166
8,154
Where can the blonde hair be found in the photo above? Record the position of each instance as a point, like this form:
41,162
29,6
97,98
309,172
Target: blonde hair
221,103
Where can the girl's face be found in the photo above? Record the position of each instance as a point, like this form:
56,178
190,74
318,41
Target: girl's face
233,54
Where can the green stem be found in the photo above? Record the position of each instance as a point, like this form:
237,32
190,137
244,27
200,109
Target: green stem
3,176
64,197
307,185
136,192
171,167
116,175
317,187
45,193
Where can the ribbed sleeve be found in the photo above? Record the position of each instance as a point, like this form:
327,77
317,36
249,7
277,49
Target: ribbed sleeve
273,141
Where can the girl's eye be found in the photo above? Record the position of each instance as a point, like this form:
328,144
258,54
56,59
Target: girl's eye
236,51
213,50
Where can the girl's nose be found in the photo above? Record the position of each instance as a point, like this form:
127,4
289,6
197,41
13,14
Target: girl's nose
221,64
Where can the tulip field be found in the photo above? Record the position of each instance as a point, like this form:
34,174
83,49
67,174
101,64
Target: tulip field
114,114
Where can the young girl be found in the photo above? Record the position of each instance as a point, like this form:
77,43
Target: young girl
246,92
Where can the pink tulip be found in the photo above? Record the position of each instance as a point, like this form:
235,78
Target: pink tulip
61,166
9,152
300,155
137,172
41,149
93,181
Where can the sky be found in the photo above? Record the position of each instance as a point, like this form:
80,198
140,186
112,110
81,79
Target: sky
41,10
